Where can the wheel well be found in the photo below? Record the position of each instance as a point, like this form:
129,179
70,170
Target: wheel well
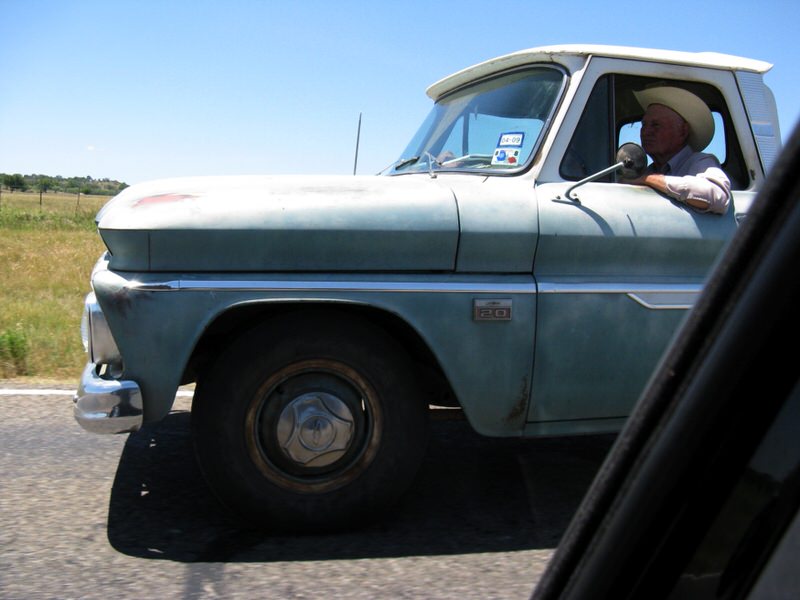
231,324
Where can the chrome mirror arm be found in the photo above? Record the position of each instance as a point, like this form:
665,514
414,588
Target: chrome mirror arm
631,162
597,175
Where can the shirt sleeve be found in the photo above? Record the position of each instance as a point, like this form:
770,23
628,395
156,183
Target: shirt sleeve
708,185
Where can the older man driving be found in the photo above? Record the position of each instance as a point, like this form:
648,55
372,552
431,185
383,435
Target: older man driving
676,127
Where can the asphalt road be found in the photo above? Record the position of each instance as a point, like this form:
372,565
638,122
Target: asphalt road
129,516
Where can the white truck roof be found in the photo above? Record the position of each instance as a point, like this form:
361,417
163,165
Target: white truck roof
569,52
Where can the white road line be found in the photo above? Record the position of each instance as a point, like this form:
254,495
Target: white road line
52,392
12,392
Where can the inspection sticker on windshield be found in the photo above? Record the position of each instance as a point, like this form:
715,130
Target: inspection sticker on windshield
508,149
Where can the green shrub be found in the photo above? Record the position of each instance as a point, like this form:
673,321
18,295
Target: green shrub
13,352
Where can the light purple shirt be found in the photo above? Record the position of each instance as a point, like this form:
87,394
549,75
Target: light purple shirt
691,175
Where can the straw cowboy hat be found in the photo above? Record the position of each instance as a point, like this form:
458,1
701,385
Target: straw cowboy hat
693,110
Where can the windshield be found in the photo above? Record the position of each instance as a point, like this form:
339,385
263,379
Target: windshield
491,126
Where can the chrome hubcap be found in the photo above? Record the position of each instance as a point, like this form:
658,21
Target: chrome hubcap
315,429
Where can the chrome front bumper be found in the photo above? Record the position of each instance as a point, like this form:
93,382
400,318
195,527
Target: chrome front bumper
107,405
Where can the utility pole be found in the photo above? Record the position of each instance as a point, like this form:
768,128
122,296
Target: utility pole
358,139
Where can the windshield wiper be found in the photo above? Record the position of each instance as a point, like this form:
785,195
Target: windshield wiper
404,162
432,160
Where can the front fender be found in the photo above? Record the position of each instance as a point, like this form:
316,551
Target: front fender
487,362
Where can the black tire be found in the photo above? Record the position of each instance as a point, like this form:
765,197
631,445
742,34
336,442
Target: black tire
309,424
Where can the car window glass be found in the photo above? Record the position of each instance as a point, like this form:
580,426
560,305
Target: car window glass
454,144
612,117
753,516
491,126
589,150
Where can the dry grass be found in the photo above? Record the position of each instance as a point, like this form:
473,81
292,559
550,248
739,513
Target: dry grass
52,211
46,256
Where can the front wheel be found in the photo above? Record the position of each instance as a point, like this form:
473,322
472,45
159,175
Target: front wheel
312,426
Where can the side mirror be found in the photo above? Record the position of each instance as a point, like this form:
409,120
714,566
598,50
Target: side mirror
631,163
633,159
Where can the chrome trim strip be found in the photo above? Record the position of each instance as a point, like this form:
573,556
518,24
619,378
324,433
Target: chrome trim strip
650,295
337,286
617,288
666,300
654,296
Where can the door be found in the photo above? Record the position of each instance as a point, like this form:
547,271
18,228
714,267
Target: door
617,266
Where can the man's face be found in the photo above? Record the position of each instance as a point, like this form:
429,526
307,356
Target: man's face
663,132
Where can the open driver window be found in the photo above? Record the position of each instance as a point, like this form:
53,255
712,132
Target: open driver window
612,115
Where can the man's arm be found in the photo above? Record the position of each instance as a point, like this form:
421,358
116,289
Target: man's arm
699,182
708,191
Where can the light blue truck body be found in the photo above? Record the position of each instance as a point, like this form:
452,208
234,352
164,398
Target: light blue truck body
536,311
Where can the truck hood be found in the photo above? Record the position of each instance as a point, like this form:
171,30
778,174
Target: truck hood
282,223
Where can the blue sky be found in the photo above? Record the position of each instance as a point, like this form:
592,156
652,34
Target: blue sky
141,90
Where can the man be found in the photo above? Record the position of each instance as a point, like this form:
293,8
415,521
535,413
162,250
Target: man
676,127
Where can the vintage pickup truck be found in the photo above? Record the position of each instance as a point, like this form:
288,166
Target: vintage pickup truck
489,269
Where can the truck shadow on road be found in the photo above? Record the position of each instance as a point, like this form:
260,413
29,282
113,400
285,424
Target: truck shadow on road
472,494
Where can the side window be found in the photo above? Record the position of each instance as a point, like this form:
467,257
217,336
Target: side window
724,145
612,117
589,150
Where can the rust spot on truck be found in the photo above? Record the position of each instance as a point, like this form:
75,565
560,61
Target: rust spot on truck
119,301
517,413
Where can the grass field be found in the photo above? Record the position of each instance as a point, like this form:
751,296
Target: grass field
48,246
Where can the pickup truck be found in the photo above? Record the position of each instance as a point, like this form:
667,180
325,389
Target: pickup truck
499,266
